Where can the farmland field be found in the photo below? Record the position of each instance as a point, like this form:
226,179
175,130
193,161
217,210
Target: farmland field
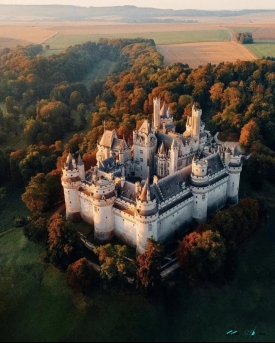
171,37
262,49
195,54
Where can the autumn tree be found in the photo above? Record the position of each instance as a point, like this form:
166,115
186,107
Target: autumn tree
202,254
149,265
81,276
249,134
63,242
115,262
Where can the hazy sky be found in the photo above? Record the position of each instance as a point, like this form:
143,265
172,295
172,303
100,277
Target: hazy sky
175,4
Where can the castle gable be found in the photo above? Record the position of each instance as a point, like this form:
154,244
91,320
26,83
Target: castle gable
107,138
145,128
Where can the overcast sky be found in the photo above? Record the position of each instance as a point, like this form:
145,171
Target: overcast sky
174,4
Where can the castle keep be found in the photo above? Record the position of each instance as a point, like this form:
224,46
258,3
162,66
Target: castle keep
155,187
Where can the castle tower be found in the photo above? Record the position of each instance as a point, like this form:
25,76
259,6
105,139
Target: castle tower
234,169
81,167
199,188
145,146
161,160
71,182
103,197
156,113
146,218
196,124
174,153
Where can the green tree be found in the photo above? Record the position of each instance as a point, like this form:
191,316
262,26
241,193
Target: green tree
42,192
35,229
148,266
115,261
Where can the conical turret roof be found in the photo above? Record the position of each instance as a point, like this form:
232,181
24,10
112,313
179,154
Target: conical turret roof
69,161
163,111
143,195
79,160
161,149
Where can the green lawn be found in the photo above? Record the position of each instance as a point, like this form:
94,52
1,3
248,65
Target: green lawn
177,37
10,208
262,49
36,305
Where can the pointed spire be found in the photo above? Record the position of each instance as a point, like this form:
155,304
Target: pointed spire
79,160
69,161
163,111
161,149
143,194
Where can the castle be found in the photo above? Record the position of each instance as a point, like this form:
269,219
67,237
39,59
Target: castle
156,187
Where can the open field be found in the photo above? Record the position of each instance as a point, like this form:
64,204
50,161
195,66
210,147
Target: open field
25,34
262,49
171,37
196,54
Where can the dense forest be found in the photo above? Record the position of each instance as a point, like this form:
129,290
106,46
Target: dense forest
45,99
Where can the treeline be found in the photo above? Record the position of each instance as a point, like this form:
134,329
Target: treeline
244,37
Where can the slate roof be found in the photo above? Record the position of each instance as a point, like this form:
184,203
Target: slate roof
214,163
107,164
128,191
171,184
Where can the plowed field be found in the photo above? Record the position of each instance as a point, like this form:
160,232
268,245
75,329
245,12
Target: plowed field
195,54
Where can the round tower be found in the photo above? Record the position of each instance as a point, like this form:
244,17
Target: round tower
146,218
227,154
103,198
199,188
71,182
234,169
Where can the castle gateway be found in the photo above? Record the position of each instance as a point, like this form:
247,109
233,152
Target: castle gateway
157,186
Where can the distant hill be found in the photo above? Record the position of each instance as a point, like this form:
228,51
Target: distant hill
116,13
